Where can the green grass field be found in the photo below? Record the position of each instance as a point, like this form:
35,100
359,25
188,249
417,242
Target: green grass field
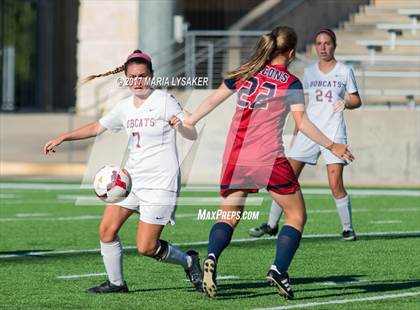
39,227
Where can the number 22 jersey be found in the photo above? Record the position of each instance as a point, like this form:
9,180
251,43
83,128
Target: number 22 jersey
263,103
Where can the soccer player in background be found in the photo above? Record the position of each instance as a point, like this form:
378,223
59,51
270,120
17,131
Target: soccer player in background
326,83
254,153
149,117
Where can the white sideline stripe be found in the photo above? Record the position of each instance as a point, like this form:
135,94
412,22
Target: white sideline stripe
86,275
314,191
314,236
386,222
344,301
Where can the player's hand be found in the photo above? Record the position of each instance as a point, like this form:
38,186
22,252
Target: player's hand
174,121
339,106
49,147
341,151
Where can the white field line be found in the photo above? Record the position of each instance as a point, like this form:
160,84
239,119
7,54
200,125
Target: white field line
182,201
222,278
324,191
344,301
62,218
39,217
386,222
86,275
241,240
403,209
341,282
314,191
31,214
7,196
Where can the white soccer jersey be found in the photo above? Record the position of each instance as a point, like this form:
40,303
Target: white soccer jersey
153,158
325,89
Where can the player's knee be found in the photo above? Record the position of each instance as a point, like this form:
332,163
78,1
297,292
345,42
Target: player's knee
107,233
231,221
146,248
297,219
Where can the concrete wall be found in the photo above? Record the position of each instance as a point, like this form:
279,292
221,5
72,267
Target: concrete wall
107,33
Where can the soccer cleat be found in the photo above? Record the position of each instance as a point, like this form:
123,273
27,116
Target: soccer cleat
209,277
108,287
349,235
281,282
263,229
194,274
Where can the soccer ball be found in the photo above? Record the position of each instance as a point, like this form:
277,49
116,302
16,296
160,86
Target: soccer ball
112,184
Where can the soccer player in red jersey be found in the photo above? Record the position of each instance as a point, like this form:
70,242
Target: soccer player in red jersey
254,154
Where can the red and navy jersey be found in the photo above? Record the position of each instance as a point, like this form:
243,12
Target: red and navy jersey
263,103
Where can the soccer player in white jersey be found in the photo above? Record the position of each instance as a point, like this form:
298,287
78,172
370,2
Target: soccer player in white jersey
326,83
149,118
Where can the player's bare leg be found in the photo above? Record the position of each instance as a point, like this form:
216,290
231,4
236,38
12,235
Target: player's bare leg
149,244
342,200
276,211
220,236
288,240
111,249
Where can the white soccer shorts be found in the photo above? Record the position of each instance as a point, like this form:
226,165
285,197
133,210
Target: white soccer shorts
156,206
307,151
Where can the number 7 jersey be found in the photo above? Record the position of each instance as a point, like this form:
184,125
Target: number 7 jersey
263,103
153,159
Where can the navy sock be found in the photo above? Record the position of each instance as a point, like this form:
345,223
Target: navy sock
219,238
287,244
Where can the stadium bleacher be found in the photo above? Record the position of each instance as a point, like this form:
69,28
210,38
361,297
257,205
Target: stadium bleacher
383,43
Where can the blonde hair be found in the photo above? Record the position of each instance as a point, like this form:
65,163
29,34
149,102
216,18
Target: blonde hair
280,40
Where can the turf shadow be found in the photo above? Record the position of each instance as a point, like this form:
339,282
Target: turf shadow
366,288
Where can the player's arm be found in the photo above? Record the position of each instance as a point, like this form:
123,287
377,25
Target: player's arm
312,132
208,105
90,130
187,131
353,101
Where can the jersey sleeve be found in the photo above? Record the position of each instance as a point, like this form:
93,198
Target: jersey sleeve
294,94
230,83
113,119
172,107
351,85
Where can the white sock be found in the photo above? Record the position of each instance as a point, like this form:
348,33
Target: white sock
274,216
176,256
112,257
344,212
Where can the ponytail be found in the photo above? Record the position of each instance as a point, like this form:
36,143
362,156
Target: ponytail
280,40
112,72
